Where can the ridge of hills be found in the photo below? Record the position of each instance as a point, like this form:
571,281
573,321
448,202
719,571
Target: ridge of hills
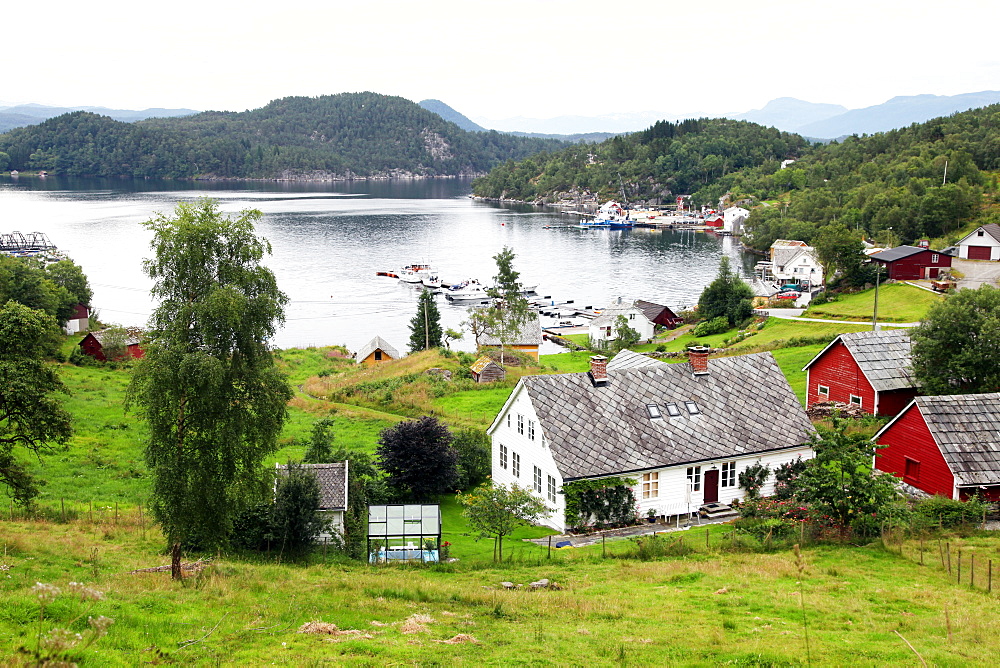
330,137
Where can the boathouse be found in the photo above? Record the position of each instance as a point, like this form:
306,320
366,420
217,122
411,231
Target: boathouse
376,351
905,263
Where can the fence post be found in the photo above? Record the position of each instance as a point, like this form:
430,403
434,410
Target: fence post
116,513
959,580
921,551
972,572
948,549
604,545
706,539
91,511
550,546
989,586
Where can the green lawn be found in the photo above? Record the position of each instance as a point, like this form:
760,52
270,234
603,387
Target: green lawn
897,302
791,361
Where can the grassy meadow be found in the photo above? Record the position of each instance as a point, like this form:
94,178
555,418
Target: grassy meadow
897,302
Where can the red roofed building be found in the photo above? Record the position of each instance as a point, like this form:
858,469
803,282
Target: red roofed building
93,344
907,263
867,369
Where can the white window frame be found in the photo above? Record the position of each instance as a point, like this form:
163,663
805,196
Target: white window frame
520,424
673,410
503,456
694,478
823,390
552,489
935,257
508,420
651,485
538,480
515,464
727,477
856,400
531,430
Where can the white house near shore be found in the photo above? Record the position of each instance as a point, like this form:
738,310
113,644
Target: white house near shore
683,432
733,219
604,328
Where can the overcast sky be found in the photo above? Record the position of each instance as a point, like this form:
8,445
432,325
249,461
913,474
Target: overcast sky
537,58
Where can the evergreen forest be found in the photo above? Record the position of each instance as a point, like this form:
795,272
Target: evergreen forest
929,180
328,137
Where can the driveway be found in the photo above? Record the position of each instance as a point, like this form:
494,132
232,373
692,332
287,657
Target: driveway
977,273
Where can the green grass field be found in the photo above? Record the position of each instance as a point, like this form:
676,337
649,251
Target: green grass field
897,302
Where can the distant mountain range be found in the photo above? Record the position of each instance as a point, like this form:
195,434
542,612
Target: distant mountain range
17,116
464,122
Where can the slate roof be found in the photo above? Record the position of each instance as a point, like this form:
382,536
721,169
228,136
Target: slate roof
530,335
378,343
745,406
991,229
131,336
653,310
627,359
883,357
966,428
899,253
332,479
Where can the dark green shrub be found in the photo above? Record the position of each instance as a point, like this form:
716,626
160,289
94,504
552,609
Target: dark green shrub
709,327
938,511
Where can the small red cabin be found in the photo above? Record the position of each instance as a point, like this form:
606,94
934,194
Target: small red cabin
867,369
947,445
93,344
907,263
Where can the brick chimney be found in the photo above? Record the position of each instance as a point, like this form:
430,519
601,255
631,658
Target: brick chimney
698,357
599,370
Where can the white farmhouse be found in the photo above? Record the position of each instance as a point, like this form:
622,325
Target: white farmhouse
795,262
603,328
683,432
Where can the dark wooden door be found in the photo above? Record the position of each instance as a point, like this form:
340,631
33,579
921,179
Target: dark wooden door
711,486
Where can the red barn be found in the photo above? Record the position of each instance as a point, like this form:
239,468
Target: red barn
907,263
93,344
948,445
658,314
867,369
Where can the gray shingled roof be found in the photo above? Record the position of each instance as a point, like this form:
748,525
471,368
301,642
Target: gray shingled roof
131,336
530,334
652,310
883,357
378,343
609,314
332,479
966,428
627,359
746,406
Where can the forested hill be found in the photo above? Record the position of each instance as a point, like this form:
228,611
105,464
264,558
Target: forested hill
335,136
929,181
667,160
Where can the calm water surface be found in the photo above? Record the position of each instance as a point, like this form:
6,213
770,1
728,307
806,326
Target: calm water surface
330,239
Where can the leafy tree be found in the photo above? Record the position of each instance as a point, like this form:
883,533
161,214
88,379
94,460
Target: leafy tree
728,295
296,518
27,282
320,448
114,343
625,336
207,385
955,348
69,275
449,336
473,448
838,248
840,481
30,417
425,327
509,311
418,458
496,511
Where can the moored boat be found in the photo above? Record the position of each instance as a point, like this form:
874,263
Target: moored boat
414,273
470,290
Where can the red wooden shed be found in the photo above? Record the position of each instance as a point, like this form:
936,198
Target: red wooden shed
947,445
907,263
93,344
867,369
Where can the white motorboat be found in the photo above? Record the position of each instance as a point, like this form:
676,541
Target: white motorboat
432,281
470,290
414,273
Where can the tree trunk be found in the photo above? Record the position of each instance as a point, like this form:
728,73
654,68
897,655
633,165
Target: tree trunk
175,561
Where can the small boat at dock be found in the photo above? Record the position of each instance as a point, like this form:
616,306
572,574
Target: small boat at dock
414,273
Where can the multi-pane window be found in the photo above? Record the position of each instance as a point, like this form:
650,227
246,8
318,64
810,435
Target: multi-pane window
538,480
650,485
694,477
552,489
520,423
508,420
515,461
531,429
503,456
672,410
728,477
935,257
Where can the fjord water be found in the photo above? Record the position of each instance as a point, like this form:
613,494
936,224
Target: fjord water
329,239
